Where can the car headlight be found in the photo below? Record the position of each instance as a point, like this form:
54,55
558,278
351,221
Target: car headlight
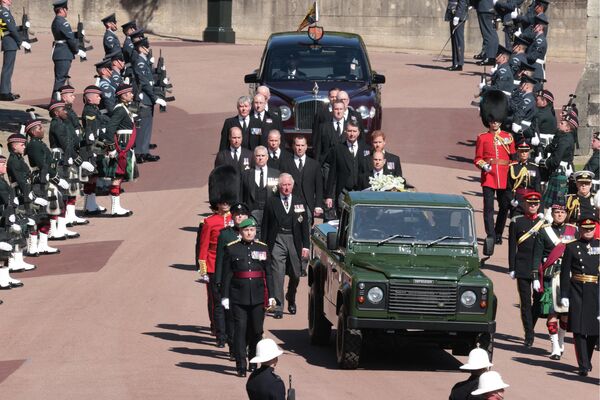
363,111
286,113
375,295
468,298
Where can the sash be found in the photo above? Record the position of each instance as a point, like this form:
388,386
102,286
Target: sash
556,253
530,232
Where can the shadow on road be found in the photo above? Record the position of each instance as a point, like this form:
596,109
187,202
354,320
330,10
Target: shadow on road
193,229
474,179
184,267
185,328
468,143
461,159
376,357
575,377
214,354
515,344
495,268
221,369
427,66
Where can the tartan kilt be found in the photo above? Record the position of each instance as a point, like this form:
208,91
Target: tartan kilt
108,167
557,188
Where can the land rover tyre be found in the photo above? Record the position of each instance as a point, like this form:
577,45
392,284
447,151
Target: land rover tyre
319,328
348,343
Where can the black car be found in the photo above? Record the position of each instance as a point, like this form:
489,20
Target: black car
299,71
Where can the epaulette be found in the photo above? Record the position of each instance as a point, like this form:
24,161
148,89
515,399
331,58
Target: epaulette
259,242
90,117
516,217
234,242
546,225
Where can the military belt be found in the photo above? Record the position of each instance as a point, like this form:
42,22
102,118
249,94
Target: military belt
248,274
59,42
125,131
497,161
583,278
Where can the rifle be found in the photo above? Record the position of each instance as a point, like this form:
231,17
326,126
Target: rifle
162,85
566,110
81,40
26,34
291,393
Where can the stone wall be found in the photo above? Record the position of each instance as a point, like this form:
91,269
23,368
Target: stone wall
398,24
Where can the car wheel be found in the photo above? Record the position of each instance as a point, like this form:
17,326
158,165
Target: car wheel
348,343
319,328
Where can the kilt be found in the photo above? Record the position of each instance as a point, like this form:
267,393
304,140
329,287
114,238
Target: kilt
107,167
556,189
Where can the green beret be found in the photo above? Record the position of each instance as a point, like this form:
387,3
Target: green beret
247,223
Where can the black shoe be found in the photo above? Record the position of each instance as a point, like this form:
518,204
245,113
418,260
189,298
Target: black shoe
487,61
455,68
478,56
15,285
7,287
231,356
555,356
278,314
241,372
498,239
16,96
582,372
528,342
139,158
252,367
303,273
7,97
292,308
152,146
88,213
221,344
151,158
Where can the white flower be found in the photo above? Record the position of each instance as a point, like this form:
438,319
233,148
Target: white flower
387,183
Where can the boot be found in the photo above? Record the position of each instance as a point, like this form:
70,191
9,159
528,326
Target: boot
72,218
43,247
116,209
63,231
561,339
91,207
555,347
54,233
6,282
32,246
16,263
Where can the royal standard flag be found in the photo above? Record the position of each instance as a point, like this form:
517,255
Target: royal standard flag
311,17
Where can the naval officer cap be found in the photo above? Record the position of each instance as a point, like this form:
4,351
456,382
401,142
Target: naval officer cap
583,176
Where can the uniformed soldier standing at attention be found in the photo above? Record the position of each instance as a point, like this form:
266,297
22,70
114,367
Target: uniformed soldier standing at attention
523,176
263,383
109,97
485,16
65,45
247,284
583,202
11,42
110,40
493,152
536,53
502,75
579,291
477,364
6,205
456,13
128,48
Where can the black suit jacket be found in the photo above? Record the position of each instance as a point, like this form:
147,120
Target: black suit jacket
246,159
308,183
364,177
227,124
273,213
326,138
248,190
341,174
284,156
271,120
392,163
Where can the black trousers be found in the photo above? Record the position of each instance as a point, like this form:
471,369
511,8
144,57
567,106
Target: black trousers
61,71
503,198
458,43
247,330
529,312
584,348
488,33
8,66
216,312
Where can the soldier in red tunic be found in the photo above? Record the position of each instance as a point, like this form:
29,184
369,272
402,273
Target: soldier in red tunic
493,153
222,193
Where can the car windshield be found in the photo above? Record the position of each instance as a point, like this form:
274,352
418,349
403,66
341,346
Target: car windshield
412,224
315,63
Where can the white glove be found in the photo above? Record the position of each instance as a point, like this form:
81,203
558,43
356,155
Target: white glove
151,60
87,166
91,137
516,128
30,222
597,200
494,69
511,274
70,161
481,85
112,154
272,302
537,159
495,1
486,167
126,80
5,246
40,202
455,21
27,24
564,302
15,228
26,45
514,14
225,303
536,285
161,102
16,201
535,140
540,215
518,32
63,184
514,202
166,81
82,54
83,32
12,218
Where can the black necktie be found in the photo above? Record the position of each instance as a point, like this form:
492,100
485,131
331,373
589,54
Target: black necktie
235,155
300,166
339,128
244,125
275,157
262,178
286,204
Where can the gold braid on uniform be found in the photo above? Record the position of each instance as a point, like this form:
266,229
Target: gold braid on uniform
203,269
572,205
258,241
500,140
523,175
234,242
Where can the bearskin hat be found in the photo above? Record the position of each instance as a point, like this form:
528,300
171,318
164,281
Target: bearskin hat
223,185
493,107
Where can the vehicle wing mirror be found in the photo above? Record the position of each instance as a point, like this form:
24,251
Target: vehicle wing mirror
332,241
378,79
251,78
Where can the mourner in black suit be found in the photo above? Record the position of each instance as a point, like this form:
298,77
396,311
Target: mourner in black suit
330,133
348,161
392,161
258,184
324,112
378,169
245,273
242,121
351,114
234,154
285,229
277,154
262,122
308,181
579,291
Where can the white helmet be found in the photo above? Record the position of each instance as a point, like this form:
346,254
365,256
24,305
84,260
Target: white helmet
266,350
488,382
478,359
